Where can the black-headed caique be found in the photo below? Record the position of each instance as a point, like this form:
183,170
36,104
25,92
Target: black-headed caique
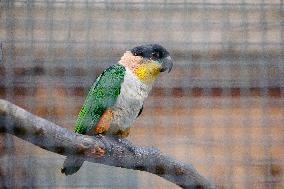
116,98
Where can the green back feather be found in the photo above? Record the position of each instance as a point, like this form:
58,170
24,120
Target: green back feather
103,94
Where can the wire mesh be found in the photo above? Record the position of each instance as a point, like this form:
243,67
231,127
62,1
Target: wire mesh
221,108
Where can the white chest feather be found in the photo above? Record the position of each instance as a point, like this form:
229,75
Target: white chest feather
132,95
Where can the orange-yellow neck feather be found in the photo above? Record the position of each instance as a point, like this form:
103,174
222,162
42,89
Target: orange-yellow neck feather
146,70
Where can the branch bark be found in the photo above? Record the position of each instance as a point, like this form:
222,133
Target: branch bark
97,149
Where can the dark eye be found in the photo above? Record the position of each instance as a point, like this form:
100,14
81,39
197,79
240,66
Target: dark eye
157,55
138,53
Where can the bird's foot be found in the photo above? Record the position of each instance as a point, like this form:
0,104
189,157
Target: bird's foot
105,142
100,136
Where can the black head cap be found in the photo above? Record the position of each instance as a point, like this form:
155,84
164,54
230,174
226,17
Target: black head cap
150,51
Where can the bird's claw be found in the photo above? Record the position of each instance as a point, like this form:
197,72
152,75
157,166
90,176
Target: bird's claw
105,142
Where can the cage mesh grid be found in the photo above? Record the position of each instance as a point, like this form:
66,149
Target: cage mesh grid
220,109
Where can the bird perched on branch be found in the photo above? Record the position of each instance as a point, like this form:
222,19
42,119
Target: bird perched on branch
116,98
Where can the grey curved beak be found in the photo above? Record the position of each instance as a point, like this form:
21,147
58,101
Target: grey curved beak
167,64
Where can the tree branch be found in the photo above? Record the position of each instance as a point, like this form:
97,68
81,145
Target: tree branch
98,149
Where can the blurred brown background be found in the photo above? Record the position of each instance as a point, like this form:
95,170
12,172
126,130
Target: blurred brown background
221,108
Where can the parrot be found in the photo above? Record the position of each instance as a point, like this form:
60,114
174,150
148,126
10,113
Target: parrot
116,97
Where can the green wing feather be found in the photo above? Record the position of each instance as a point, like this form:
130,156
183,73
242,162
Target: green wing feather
103,94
